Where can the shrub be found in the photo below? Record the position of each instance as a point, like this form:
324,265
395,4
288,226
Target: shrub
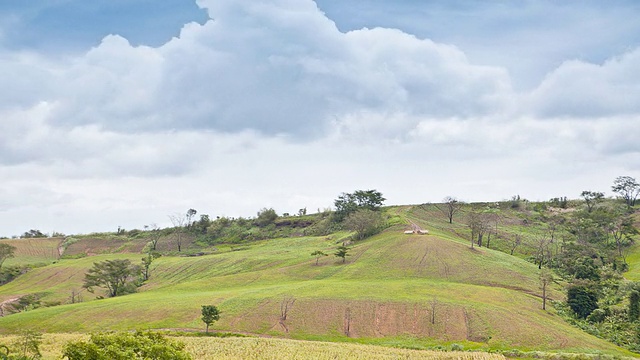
125,346
582,300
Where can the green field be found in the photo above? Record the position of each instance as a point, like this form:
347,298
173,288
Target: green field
414,291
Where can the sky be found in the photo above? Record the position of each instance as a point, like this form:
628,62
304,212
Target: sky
121,113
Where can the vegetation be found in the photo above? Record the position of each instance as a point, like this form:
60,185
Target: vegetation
318,254
117,276
342,252
143,345
210,314
25,347
525,254
6,251
348,203
628,188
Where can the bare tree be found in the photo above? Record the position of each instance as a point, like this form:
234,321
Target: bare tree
514,242
155,235
450,206
433,303
478,222
178,221
545,279
76,296
285,306
542,250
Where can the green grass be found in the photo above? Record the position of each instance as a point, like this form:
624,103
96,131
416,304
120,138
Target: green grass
33,251
484,299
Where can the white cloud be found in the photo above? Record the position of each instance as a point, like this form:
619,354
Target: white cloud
269,104
582,90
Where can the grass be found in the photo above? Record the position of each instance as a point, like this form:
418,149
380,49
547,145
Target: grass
33,251
239,348
384,294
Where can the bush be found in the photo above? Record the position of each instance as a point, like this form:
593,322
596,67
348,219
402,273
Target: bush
582,300
266,217
125,346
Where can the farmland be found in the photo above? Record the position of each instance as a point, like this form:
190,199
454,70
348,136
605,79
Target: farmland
398,290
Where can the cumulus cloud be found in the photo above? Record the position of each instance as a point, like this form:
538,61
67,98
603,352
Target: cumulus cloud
583,90
281,67
270,104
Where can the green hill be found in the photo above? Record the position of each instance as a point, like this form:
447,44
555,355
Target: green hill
395,289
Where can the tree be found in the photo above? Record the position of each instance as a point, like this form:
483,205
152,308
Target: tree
582,300
34,233
514,242
342,252
143,345
623,230
347,203
592,198
202,225
178,221
450,207
6,251
364,222
318,254
189,217
154,235
478,222
628,188
146,264
210,314
546,277
117,276
542,250
266,217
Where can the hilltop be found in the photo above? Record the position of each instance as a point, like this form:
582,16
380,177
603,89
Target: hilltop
397,289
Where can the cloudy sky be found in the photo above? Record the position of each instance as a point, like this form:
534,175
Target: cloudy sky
122,112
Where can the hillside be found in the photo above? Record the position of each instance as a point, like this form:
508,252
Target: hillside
395,289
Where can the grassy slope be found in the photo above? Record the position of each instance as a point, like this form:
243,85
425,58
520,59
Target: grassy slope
483,298
33,251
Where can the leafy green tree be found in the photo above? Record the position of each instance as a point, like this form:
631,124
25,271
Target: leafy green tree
34,233
342,252
142,345
592,198
117,276
266,217
364,222
347,203
582,300
146,264
210,314
628,188
318,254
189,217
6,251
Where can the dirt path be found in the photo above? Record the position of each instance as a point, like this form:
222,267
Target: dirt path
5,303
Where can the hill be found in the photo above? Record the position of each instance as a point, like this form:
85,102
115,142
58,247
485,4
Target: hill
397,289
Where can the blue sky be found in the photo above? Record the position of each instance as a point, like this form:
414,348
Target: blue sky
120,113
